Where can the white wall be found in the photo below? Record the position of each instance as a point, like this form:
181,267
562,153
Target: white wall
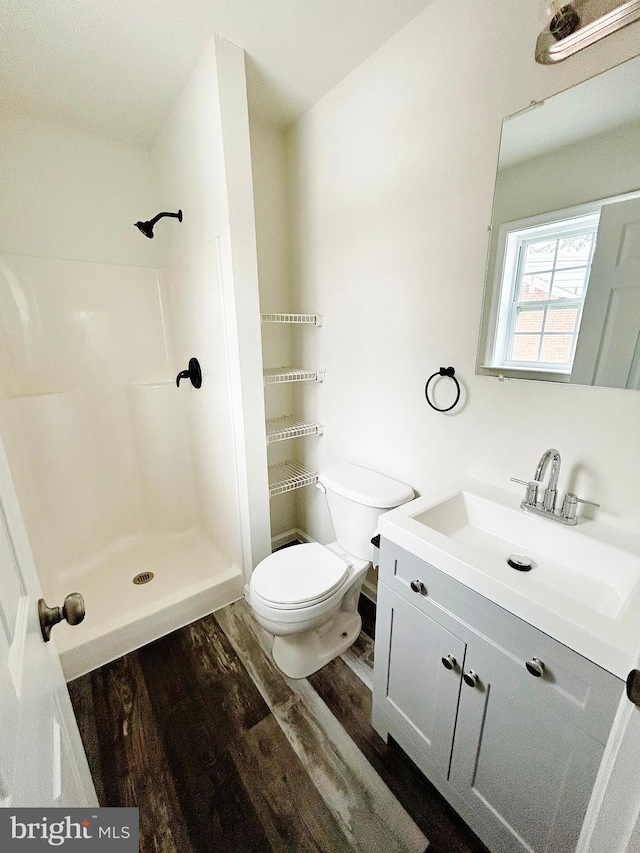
71,194
202,164
392,179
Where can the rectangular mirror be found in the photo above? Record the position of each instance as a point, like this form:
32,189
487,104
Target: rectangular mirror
562,292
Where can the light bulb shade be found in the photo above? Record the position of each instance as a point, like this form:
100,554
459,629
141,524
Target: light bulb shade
560,18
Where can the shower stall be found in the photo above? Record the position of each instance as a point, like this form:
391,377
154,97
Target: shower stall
147,496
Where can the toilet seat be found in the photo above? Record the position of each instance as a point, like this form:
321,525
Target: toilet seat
298,577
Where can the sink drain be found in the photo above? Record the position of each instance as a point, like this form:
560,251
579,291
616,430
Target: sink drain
520,562
143,577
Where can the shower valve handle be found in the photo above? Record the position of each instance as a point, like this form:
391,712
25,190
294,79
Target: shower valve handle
193,373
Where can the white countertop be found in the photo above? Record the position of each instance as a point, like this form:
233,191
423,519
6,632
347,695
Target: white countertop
596,614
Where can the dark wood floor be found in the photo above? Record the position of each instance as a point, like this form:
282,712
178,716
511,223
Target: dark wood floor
179,729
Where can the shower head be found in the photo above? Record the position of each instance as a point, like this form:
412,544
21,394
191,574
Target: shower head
147,227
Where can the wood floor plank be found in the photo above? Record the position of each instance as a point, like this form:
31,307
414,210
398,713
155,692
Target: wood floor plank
370,818
350,701
86,711
292,812
198,665
132,762
203,700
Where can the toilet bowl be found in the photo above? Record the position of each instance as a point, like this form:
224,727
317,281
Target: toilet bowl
307,595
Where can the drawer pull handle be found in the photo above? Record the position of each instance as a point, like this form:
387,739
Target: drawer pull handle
449,662
535,667
418,586
471,678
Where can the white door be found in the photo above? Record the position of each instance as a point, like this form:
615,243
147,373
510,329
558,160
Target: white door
42,761
608,350
612,823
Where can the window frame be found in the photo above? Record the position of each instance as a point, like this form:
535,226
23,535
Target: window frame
511,237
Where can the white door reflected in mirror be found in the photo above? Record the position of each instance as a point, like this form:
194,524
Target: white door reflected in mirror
608,351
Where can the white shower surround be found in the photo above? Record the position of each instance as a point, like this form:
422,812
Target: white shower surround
117,470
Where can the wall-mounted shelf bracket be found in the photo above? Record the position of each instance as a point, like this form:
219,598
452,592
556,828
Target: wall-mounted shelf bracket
598,18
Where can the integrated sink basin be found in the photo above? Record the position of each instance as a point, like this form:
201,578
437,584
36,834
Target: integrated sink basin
583,587
594,574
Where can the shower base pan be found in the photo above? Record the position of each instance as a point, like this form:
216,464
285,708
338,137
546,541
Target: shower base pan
191,578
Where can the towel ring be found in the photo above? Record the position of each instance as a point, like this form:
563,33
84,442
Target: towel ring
444,371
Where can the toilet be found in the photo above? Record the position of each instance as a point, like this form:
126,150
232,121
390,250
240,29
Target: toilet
307,595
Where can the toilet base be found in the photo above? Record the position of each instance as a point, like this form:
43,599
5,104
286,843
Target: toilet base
300,655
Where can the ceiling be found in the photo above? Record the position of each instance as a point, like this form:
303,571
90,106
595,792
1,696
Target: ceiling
117,66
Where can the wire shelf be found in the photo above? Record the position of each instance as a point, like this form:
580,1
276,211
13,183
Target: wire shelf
290,426
291,374
300,319
287,476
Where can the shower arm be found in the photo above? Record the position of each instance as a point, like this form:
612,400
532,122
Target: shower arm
177,216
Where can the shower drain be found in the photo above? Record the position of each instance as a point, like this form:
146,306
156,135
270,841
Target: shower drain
143,577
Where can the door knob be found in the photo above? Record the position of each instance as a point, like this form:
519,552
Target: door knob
449,662
193,373
72,610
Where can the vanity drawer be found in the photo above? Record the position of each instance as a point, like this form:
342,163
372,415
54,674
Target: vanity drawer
575,686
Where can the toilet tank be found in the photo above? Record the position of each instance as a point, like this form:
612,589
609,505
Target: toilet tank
357,497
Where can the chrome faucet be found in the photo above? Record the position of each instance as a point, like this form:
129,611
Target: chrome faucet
551,492
547,506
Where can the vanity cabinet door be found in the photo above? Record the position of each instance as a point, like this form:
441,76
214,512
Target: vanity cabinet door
525,769
418,691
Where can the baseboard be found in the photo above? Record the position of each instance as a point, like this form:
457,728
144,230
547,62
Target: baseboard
289,536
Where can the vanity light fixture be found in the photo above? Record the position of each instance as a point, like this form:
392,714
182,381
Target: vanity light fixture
570,27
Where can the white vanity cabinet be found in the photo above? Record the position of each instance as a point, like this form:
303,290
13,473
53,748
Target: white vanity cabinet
515,754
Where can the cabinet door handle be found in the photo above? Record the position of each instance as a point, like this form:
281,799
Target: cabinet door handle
535,667
418,586
471,678
449,662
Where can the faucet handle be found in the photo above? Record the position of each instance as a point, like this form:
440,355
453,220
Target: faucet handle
570,505
531,495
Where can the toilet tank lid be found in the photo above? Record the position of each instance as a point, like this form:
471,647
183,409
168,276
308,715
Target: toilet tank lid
365,486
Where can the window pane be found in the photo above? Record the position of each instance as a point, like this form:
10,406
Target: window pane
525,347
574,250
539,256
569,283
561,320
528,320
534,287
556,348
